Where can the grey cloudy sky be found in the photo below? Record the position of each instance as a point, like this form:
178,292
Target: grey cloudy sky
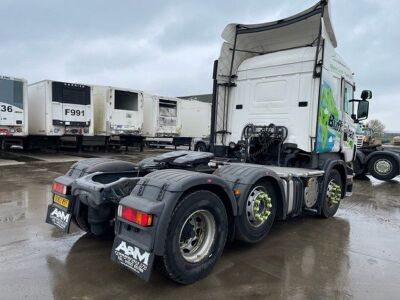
168,47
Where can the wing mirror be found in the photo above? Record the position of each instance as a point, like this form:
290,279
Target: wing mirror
362,110
363,106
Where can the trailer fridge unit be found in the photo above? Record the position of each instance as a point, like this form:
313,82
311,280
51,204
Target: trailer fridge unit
179,209
60,109
118,115
117,111
196,121
13,111
163,121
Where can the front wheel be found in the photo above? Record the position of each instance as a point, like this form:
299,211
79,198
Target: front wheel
383,167
196,237
332,194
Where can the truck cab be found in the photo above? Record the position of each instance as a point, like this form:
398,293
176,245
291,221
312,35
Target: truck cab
286,76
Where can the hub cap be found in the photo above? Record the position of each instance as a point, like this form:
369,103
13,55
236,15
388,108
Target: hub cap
197,236
259,206
334,193
383,166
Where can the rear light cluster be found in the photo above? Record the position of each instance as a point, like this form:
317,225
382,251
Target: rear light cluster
60,188
135,216
4,131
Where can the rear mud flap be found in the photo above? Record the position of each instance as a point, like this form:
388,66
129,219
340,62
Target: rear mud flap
133,258
58,217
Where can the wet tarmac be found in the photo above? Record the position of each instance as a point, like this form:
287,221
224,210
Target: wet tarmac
355,255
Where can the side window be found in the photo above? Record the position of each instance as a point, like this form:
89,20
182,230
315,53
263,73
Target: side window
348,95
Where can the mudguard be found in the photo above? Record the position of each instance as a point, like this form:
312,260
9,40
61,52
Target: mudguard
113,168
244,176
158,193
92,165
94,192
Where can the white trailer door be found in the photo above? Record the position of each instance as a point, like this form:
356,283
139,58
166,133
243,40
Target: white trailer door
11,102
75,106
127,111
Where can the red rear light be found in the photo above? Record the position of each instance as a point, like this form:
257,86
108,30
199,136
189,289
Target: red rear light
135,216
59,188
4,131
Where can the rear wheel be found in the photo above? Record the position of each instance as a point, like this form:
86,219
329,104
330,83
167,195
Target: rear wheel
332,194
96,229
196,237
383,167
258,215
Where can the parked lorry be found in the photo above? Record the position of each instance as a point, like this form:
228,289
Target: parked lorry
372,158
282,140
118,115
13,111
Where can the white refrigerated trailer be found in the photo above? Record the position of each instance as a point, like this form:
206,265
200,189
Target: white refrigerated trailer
163,121
196,122
13,111
118,115
59,109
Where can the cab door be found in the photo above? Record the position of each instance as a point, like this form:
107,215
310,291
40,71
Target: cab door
348,137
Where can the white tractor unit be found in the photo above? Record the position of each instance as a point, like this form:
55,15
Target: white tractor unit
13,111
281,145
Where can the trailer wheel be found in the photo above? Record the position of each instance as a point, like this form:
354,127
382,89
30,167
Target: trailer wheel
196,237
258,214
383,167
200,147
332,194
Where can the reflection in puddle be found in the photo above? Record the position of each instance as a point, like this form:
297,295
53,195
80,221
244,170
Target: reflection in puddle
14,210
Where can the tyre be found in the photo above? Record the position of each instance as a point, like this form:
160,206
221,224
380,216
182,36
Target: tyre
383,167
258,214
332,194
98,229
200,147
196,237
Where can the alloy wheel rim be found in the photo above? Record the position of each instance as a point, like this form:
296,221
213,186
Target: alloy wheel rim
383,166
258,206
197,236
